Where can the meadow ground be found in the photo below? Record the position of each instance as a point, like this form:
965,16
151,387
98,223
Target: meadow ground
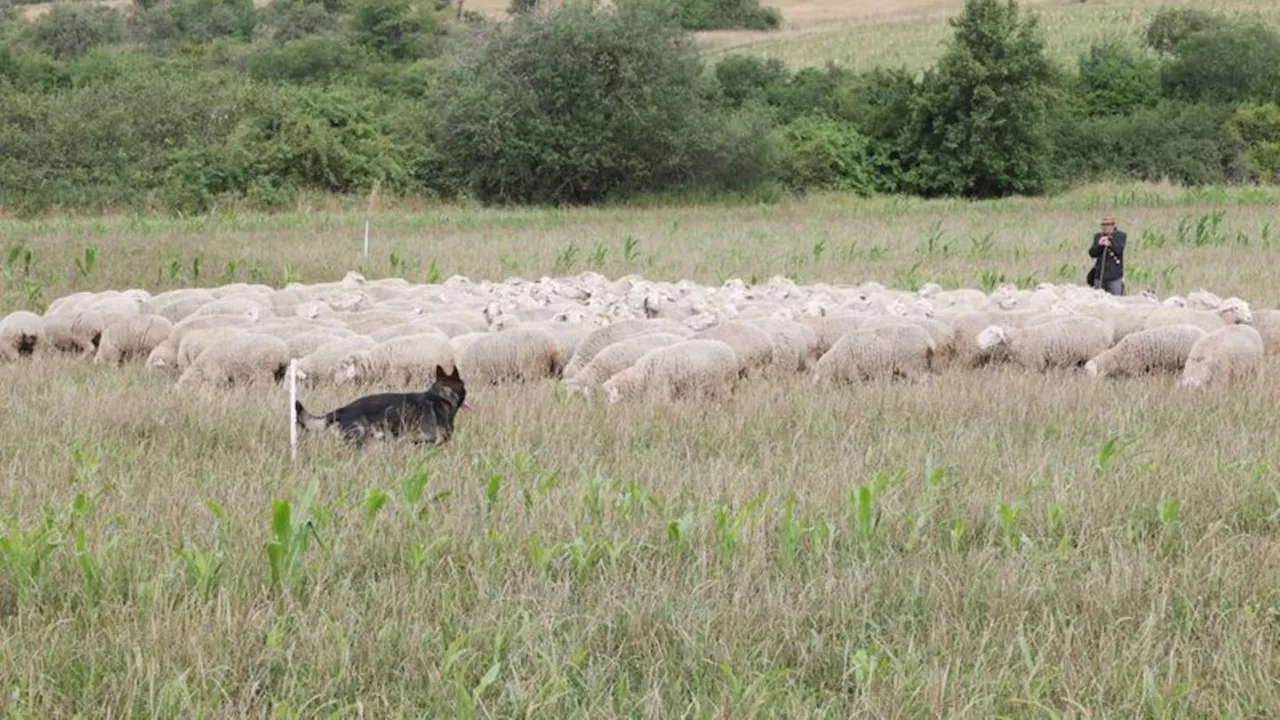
990,544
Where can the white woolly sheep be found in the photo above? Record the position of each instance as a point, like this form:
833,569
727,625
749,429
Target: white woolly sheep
132,338
1232,311
408,361
319,366
197,341
794,344
241,359
177,305
74,331
1065,343
164,356
831,327
517,355
753,346
615,358
940,332
1224,356
208,322
21,335
597,339
693,369
1267,323
900,350
1161,349
303,345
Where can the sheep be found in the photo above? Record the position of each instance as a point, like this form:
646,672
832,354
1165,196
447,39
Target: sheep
831,327
1232,311
794,344
566,334
320,365
1228,354
177,305
74,331
241,359
407,361
1067,342
237,305
197,341
694,369
131,338
597,339
164,356
898,350
1267,323
413,327
208,322
303,345
516,355
753,346
615,358
1160,349
940,332
21,335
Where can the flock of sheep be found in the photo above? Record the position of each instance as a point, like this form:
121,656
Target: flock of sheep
633,337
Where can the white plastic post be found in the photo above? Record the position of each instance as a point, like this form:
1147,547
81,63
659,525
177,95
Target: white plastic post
366,239
293,408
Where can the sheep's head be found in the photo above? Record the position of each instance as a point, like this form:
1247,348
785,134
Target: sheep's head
351,369
1174,301
612,393
992,337
1091,369
1236,311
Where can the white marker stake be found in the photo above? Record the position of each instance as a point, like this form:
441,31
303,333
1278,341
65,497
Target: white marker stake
366,239
293,408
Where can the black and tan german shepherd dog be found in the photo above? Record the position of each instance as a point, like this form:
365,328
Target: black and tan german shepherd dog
424,417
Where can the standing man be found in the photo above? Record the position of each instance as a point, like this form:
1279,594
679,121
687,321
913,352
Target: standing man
1108,251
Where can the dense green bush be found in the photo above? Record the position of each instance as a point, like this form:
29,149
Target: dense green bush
575,106
1116,79
396,29
726,15
72,30
1176,141
982,115
1258,127
1171,26
317,57
742,78
822,153
1231,64
285,20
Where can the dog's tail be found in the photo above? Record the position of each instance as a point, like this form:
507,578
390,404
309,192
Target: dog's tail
307,421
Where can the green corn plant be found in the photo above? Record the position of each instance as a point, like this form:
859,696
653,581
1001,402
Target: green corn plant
819,249
290,533
630,248
1167,510
19,260
1153,238
1107,454
933,244
678,534
86,263
24,555
566,258
982,245
84,462
433,273
289,276
492,491
1008,514
172,268
989,280
1264,238
197,263
230,270
374,501
632,499
730,526
597,257
958,535
90,574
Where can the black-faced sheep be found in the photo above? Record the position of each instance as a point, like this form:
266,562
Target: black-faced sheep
74,331
21,334
695,369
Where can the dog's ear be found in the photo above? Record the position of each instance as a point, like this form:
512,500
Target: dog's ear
440,373
455,376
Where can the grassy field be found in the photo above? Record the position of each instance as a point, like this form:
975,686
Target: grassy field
990,544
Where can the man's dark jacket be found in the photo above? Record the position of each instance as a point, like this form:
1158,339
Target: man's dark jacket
1114,269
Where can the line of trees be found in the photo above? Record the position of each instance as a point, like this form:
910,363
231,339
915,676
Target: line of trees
180,103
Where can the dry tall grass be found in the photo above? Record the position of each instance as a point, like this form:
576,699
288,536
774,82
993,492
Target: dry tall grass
987,544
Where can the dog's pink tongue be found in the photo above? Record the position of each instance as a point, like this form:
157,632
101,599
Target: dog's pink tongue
466,406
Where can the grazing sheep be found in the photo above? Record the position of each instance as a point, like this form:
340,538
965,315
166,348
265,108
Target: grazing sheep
615,358
566,334
177,305
1267,323
900,350
1226,355
407,361
321,364
131,338
208,322
516,355
753,346
74,331
695,369
831,327
1232,311
303,345
197,341
940,332
241,359
1064,343
164,356
21,335
597,339
794,343
1160,349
